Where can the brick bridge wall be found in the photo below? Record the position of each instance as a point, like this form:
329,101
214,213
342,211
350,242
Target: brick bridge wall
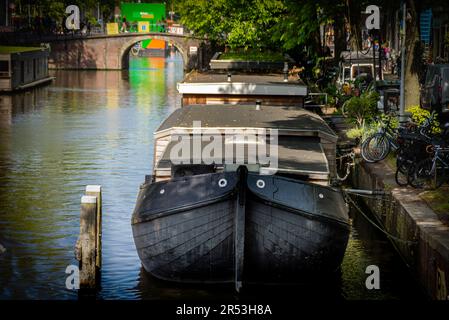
112,52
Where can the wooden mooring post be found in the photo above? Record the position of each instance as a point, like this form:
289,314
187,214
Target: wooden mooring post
95,190
88,246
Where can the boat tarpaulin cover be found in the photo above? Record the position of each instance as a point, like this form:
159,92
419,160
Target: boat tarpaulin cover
301,155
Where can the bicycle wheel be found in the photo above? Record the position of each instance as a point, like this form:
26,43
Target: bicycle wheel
375,148
401,177
403,164
440,176
420,175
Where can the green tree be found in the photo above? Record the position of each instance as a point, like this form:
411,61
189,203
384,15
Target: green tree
299,26
236,23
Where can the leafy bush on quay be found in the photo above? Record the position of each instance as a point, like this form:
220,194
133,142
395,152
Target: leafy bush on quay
419,115
361,110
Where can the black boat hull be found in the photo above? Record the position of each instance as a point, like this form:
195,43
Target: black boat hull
191,232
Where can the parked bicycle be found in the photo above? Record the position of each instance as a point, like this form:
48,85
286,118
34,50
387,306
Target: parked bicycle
431,172
377,146
412,149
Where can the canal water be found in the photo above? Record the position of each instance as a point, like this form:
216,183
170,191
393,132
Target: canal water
95,127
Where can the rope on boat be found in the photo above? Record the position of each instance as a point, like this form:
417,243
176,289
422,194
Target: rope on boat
349,164
377,226
371,196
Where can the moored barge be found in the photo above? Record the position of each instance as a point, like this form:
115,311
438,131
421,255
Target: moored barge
203,218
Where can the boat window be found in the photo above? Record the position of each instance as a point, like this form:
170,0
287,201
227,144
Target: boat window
357,70
191,170
4,68
347,75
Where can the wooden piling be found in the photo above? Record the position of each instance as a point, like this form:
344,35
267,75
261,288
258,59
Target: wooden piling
88,246
95,190
87,242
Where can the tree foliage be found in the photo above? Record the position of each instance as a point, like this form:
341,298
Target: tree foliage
279,24
299,26
236,23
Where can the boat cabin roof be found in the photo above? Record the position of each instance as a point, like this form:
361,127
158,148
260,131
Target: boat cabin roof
270,84
295,155
16,49
291,119
214,77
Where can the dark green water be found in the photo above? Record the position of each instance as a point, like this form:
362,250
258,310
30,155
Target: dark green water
95,127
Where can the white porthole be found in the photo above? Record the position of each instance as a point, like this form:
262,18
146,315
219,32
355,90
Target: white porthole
260,184
222,183
162,191
321,196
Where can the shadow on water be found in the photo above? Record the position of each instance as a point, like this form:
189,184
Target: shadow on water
96,127
153,288
369,246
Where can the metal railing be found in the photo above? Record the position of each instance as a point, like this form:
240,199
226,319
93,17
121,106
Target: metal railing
26,36
312,103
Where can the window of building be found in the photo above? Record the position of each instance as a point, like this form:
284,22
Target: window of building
347,75
4,68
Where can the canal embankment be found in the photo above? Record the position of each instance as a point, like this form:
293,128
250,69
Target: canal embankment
419,236
416,230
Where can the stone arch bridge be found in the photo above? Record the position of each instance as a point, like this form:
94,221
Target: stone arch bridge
111,52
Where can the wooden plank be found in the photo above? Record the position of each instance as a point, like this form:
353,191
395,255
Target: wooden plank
159,147
88,237
95,190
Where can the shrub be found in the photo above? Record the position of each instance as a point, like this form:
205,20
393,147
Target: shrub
369,128
355,133
361,110
419,115
334,96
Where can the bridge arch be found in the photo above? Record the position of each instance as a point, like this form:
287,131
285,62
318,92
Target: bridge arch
179,45
111,52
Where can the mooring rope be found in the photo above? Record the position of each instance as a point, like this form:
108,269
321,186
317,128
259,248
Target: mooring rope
377,226
373,197
348,165
347,155
348,172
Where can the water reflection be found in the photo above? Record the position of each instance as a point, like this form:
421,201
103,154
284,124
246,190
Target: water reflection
86,128
95,127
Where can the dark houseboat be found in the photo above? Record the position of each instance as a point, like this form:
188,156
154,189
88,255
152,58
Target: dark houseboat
23,67
215,221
